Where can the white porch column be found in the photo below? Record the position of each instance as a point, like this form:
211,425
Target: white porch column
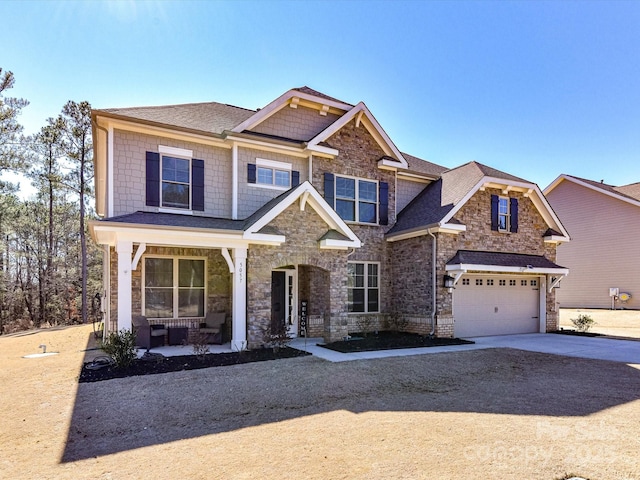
239,311
124,249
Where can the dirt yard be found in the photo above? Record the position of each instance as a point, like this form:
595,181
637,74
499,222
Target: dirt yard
616,323
494,414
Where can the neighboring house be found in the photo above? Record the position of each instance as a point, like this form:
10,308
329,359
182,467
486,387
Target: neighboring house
599,261
305,213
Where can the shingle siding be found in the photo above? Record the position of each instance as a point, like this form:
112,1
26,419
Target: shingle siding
129,173
603,251
296,123
407,191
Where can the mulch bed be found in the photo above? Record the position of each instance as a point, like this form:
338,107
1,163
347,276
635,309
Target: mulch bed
185,362
576,333
389,341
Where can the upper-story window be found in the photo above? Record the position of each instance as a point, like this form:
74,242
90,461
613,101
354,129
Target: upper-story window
504,214
356,199
176,182
272,174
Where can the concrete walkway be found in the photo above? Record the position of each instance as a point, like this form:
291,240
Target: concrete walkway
625,351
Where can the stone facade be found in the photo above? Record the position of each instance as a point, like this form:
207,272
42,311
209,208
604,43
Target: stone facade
302,229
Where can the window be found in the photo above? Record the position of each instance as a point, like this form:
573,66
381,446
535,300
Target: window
356,199
269,173
534,283
176,182
174,287
490,282
503,214
502,283
465,281
363,287
478,282
523,283
174,179
512,283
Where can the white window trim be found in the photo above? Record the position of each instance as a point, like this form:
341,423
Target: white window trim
186,155
357,199
262,162
366,288
508,215
175,287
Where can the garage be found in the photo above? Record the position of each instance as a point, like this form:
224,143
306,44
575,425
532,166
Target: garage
496,305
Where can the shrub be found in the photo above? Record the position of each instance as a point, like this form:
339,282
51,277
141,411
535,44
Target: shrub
277,338
121,347
583,323
397,322
200,346
365,324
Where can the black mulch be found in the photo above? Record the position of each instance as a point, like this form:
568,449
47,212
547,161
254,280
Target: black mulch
185,362
576,333
389,341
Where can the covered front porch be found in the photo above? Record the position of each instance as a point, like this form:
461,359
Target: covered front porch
174,276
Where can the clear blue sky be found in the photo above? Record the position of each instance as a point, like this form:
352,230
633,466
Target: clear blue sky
532,88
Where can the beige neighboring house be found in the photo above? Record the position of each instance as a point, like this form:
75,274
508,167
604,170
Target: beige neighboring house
305,215
601,263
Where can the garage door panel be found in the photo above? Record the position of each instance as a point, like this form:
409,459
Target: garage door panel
495,305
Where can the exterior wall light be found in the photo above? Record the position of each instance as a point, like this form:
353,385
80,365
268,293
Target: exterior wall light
448,281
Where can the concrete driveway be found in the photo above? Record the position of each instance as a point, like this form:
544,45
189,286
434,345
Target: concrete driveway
626,351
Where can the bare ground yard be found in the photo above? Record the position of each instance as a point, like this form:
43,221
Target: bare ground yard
477,414
616,323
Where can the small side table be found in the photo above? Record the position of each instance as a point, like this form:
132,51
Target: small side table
178,335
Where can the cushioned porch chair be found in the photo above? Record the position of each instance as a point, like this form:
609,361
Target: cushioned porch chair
212,327
147,335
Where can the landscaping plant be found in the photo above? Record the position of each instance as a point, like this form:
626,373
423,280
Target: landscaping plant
121,347
583,323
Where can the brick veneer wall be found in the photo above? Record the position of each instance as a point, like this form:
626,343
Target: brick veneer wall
476,215
302,231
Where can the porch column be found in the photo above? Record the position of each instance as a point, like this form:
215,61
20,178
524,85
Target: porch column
239,311
124,249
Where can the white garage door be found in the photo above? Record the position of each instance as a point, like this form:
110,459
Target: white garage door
496,305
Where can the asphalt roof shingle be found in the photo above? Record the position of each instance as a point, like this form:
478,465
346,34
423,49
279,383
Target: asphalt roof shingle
441,196
211,117
501,259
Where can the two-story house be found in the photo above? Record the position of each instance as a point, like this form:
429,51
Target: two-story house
306,213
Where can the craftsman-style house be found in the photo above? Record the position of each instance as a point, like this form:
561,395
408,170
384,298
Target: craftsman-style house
305,213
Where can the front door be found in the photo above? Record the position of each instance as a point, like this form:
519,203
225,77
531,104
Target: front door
284,299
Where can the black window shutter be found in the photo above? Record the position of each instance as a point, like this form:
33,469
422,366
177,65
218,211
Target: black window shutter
513,210
494,212
153,179
295,178
383,192
329,189
197,185
251,173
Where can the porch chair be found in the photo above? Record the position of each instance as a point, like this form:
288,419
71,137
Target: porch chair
147,335
212,327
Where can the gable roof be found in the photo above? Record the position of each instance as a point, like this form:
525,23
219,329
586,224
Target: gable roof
626,193
422,167
210,117
434,208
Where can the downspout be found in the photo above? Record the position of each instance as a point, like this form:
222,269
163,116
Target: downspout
433,283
